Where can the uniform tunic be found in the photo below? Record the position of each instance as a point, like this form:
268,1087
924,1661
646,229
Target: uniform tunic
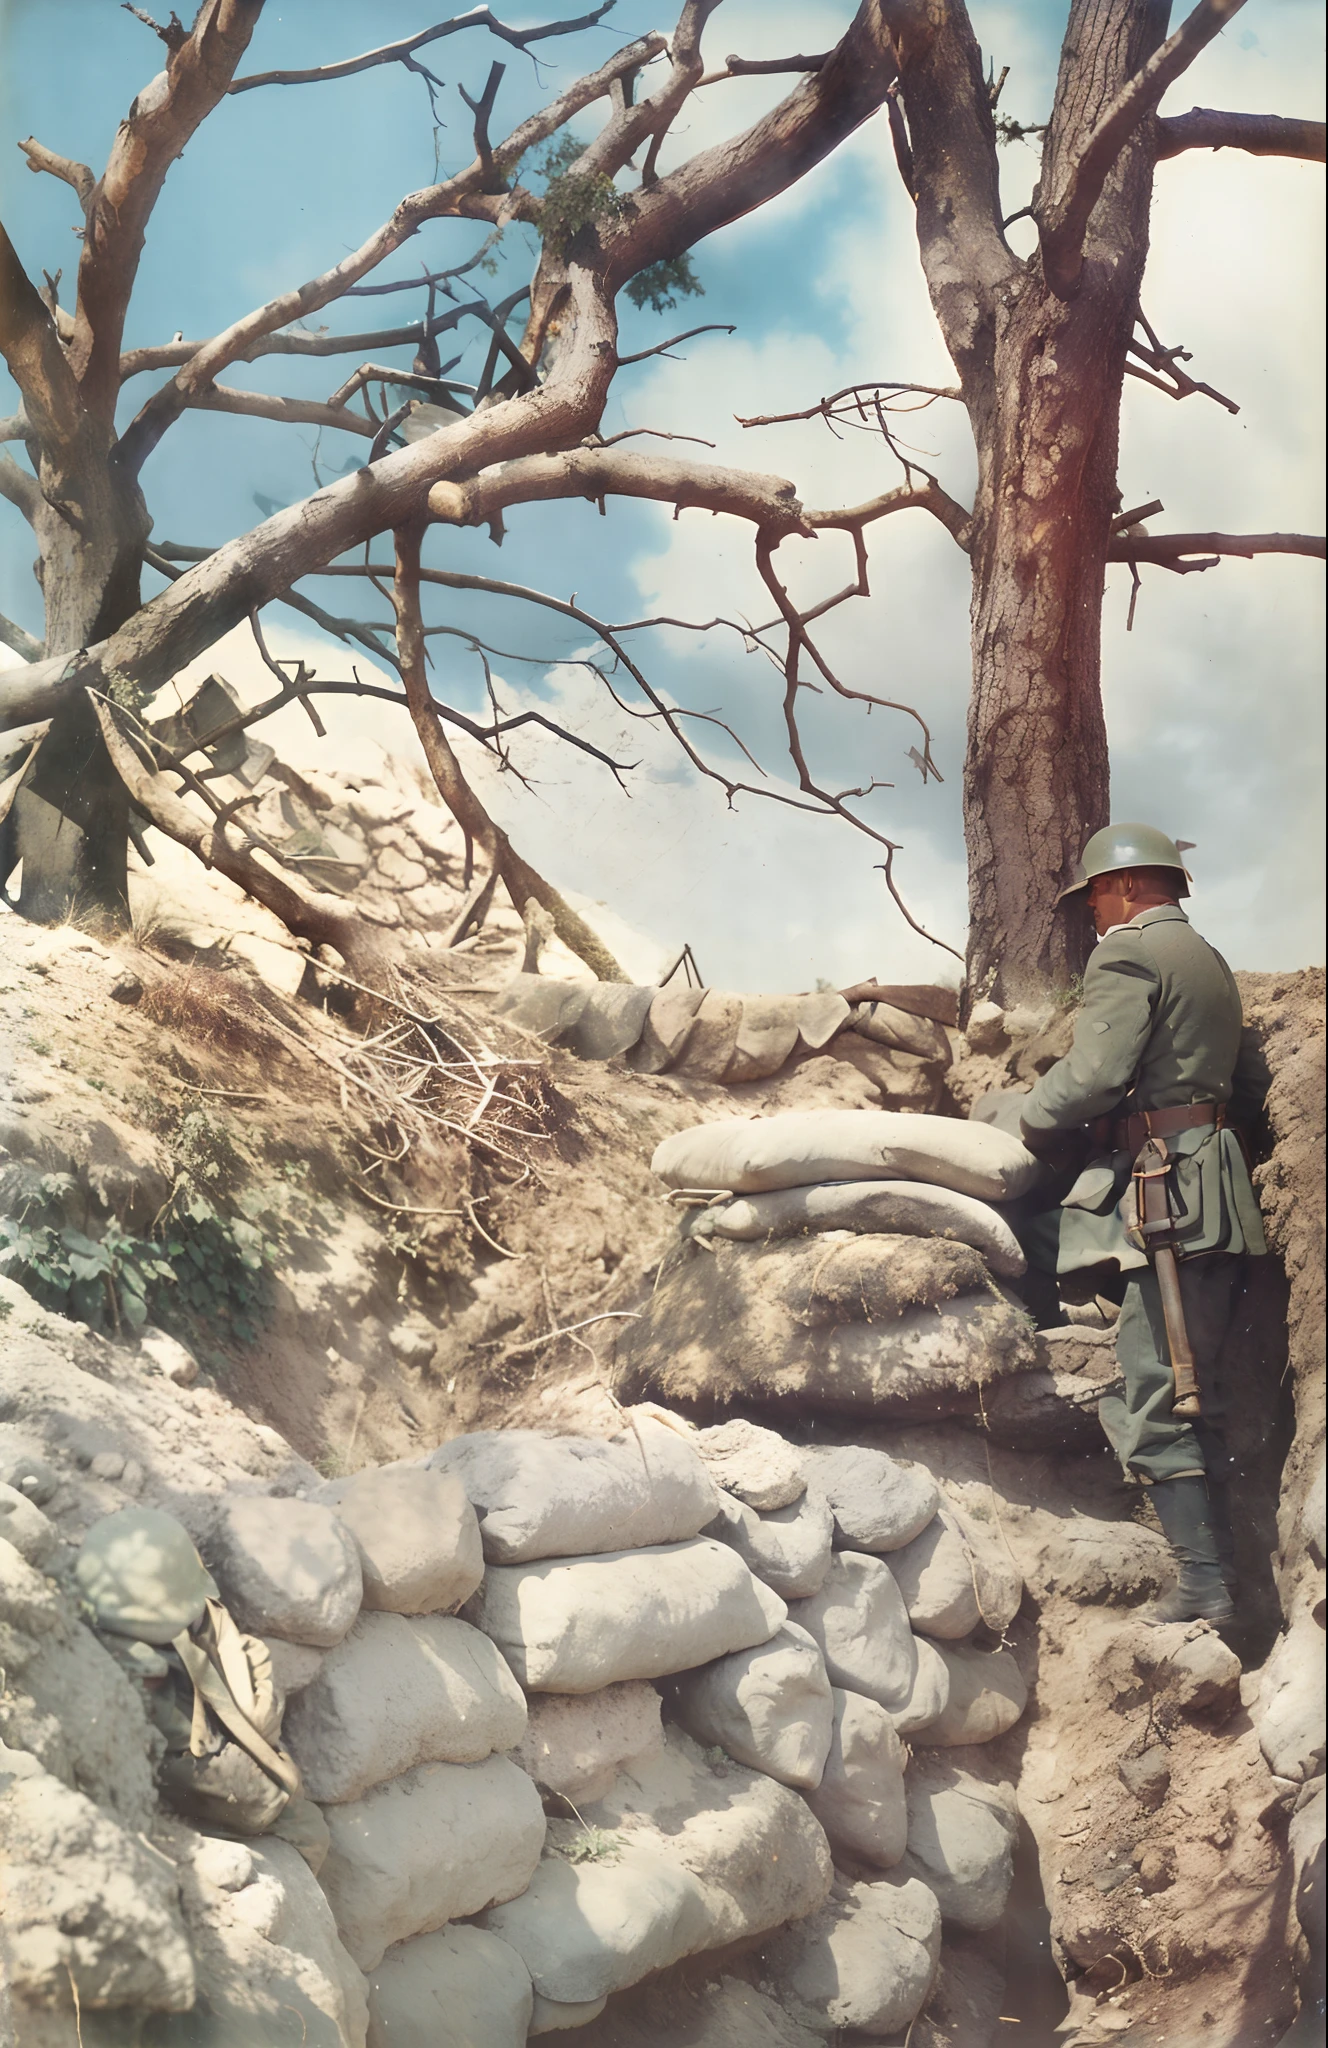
1159,1028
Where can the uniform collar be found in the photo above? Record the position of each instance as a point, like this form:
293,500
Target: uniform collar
1159,913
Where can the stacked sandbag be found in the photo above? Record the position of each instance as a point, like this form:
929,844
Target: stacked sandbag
849,1260
899,1039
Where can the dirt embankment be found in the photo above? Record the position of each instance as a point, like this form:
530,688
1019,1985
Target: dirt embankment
352,1299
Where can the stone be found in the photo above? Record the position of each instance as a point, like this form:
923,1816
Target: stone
539,1496
611,1022
1193,1668
285,1568
788,1550
935,1576
576,1744
961,1836
401,1690
294,1665
877,1504
88,1904
459,1985
860,1623
578,1624
929,1693
269,1965
440,1843
31,1477
94,1731
866,1961
1147,1776
696,1856
1289,1715
987,1695
28,1599
127,988
985,1030
107,1465
769,1707
417,1535
907,1208
860,1800
23,1524
753,1463
168,1355
804,1147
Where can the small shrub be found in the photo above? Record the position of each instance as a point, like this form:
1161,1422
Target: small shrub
593,1845
661,285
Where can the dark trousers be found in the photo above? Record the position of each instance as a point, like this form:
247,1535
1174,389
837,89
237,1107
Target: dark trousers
1147,1438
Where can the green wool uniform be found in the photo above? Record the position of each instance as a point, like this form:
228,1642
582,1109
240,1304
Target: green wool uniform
1159,1028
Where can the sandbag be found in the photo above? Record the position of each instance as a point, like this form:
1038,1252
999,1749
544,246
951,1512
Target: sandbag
610,1022
581,1623
544,1007
566,1496
710,1044
820,1016
905,1208
806,1146
668,1021
890,1026
766,1037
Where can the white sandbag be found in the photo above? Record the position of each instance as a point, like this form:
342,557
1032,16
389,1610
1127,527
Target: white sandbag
566,1496
581,1623
903,1208
860,1801
806,1146
769,1707
887,1025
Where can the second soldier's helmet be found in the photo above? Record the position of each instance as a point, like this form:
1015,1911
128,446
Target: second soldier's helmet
1129,846
141,1576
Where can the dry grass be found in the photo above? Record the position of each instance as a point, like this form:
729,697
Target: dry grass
212,1007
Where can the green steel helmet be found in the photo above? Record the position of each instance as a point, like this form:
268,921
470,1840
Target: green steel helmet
1129,846
141,1576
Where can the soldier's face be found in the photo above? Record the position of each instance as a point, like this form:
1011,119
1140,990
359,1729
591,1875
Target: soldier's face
1111,899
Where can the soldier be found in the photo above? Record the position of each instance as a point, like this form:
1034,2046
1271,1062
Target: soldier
1154,1070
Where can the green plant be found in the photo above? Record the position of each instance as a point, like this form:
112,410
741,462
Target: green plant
1071,997
94,1280
661,285
573,200
593,1845
220,1268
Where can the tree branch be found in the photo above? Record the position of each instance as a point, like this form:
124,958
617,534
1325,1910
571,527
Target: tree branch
1259,134
463,194
396,53
521,880
303,412
1174,550
31,347
172,355
928,497
1063,223
19,641
20,489
770,502
323,919
163,118
78,175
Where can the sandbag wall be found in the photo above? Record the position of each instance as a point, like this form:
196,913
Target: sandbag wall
575,1709
902,1046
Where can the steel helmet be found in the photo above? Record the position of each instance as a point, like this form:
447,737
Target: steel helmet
141,1576
1129,846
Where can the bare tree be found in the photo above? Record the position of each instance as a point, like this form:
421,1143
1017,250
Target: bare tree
1041,348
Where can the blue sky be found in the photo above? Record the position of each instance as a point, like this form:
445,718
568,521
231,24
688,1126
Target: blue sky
1213,702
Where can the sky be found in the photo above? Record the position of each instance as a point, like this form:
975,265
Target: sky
1213,701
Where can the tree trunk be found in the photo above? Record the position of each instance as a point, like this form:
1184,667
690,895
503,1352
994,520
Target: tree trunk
1036,779
70,820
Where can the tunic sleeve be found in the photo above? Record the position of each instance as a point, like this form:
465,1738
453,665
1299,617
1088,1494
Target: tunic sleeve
1121,989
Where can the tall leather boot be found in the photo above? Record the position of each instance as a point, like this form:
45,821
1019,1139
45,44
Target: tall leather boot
1187,1520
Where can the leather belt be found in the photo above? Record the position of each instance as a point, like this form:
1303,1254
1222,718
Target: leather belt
1129,1133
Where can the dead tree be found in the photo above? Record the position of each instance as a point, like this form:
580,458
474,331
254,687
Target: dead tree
1041,348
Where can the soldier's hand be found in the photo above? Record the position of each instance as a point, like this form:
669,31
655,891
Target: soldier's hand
1062,1151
